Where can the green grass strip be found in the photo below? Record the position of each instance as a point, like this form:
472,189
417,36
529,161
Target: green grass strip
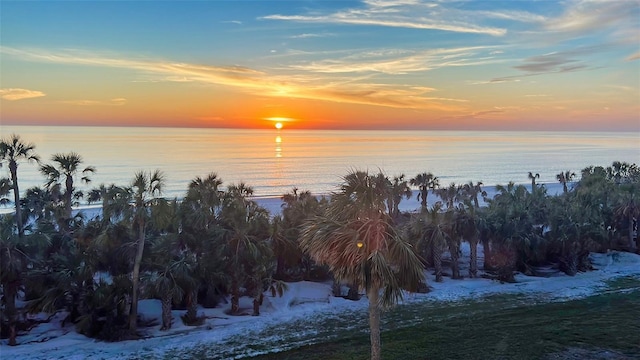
499,327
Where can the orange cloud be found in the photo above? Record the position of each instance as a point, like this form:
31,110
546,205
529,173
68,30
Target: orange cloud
13,94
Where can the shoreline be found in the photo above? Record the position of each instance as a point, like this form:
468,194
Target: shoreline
273,203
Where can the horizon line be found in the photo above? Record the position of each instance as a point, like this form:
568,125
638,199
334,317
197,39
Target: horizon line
587,130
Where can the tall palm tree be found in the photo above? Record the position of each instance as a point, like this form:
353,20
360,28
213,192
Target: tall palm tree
467,221
424,182
564,178
145,188
66,166
357,241
14,150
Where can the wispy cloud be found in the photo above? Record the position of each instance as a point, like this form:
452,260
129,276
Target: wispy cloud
398,61
13,94
632,57
484,114
585,16
311,35
226,75
494,81
251,80
554,62
520,16
112,102
403,14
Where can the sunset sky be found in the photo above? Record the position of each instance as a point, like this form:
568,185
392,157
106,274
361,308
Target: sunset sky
375,64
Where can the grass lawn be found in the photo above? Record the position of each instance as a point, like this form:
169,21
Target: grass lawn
603,326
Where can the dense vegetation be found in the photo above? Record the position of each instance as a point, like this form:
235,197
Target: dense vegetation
216,243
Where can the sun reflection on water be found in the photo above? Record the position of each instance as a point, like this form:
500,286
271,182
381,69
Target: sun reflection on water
278,146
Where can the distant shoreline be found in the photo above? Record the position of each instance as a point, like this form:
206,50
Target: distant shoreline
274,203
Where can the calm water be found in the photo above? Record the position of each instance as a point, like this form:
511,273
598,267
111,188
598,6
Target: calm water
274,162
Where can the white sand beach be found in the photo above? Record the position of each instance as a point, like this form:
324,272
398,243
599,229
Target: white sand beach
303,304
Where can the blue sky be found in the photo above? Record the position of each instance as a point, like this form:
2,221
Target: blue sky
323,64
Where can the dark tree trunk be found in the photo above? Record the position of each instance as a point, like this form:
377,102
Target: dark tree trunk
632,243
13,168
11,291
473,261
256,306
336,287
280,268
192,306
166,312
374,324
424,200
505,263
570,263
135,279
488,256
436,252
235,297
455,256
353,293
68,197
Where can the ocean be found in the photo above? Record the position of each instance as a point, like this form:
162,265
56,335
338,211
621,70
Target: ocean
275,161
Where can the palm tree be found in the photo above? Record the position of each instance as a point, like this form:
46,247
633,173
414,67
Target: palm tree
564,178
424,182
356,239
450,195
629,210
433,236
245,234
517,219
66,166
467,221
13,263
115,201
533,178
37,204
203,200
471,191
145,187
297,207
172,274
13,150
398,188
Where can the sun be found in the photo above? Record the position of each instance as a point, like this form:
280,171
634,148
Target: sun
279,121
